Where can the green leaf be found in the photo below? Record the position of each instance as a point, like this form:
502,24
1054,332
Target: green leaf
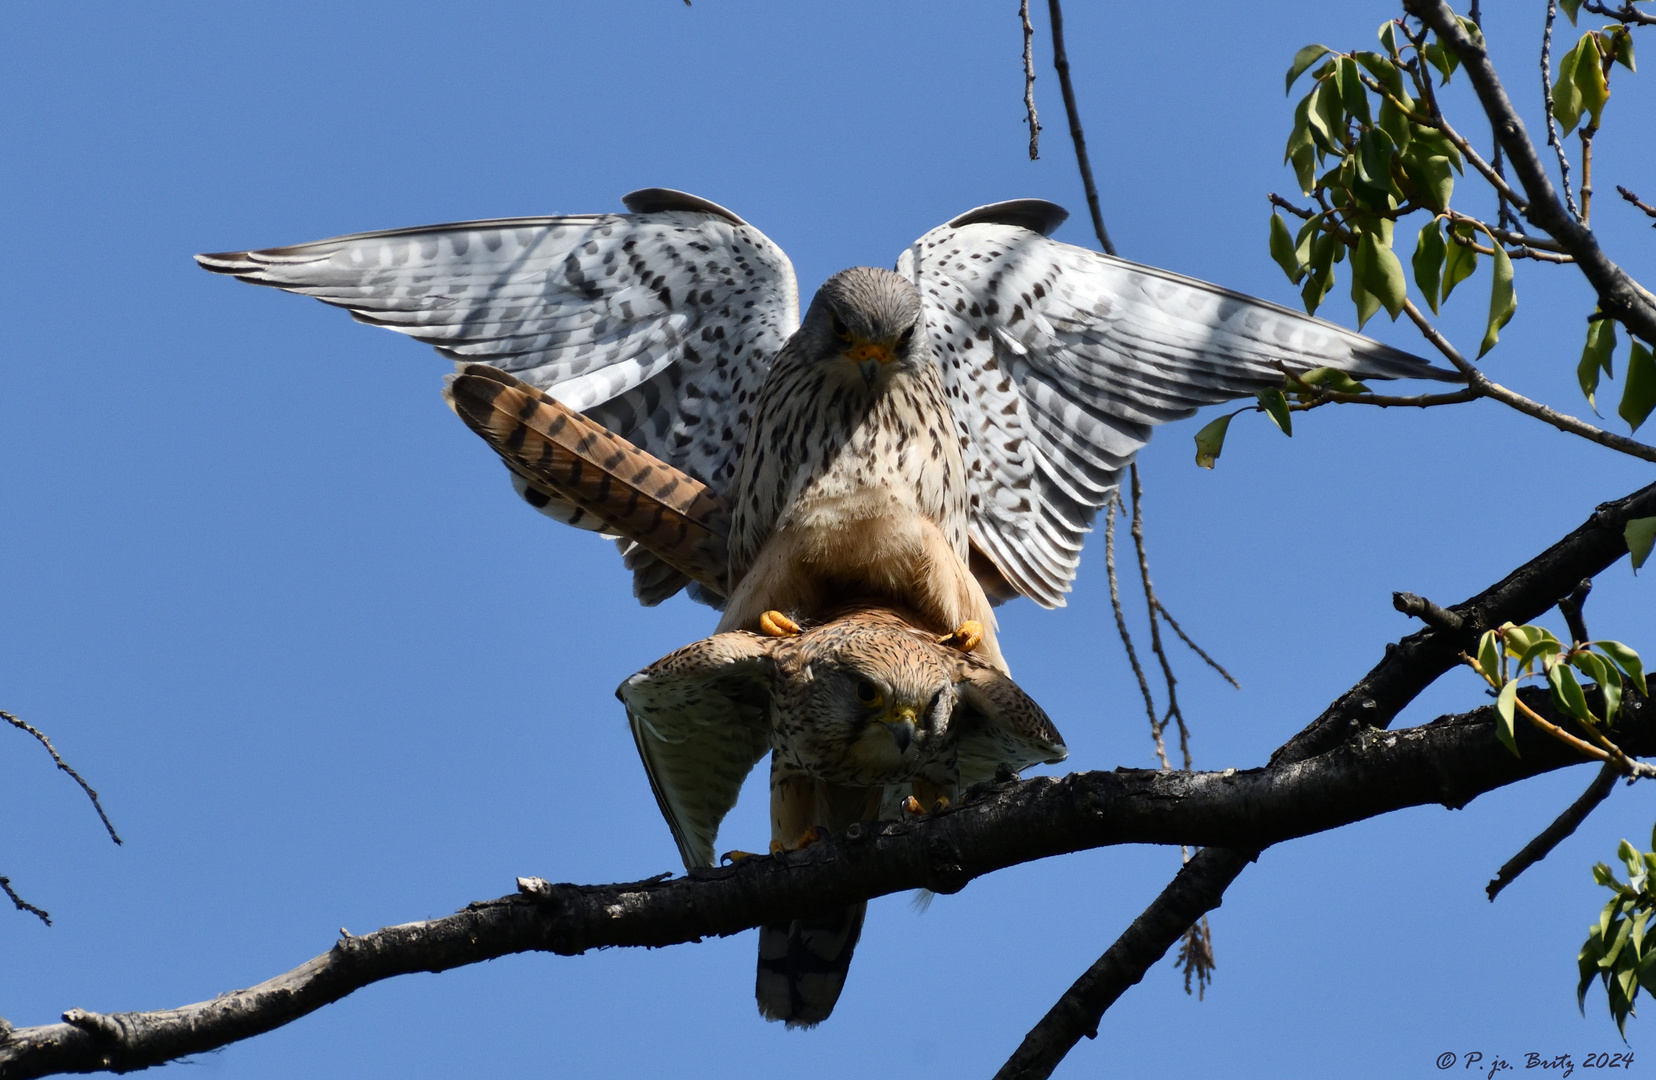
1300,137
1327,117
1629,662
1395,124
1353,94
1332,379
1459,262
1436,144
1428,262
1505,704
1640,534
1489,657
1545,647
1305,237
1639,395
1570,7
1367,303
1320,279
1566,94
1388,36
1443,59
1519,639
1276,406
1603,674
1211,440
1567,693
1595,357
1589,77
1282,249
1374,157
1603,875
1433,176
1304,59
1624,49
1381,274
1503,301
1305,168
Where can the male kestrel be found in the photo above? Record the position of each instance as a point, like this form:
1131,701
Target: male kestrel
938,437
858,712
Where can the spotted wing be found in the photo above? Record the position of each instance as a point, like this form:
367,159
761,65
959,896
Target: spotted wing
600,481
995,723
701,719
1060,360
659,324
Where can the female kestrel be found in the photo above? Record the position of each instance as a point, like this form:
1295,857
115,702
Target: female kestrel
858,712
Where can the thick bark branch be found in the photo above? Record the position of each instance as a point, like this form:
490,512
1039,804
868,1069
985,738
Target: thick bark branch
1407,669
1448,762
1619,295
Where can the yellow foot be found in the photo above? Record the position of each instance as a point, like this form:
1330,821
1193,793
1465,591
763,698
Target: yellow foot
738,856
913,805
967,636
776,624
815,834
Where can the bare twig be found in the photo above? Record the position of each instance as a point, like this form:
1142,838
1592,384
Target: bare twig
22,904
1554,834
64,765
1060,61
1489,388
1625,14
1547,106
1587,132
1033,120
1570,608
1173,711
1161,609
1121,627
1198,888
1426,611
1649,210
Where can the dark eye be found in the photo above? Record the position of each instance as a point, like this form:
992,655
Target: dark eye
905,337
840,330
867,693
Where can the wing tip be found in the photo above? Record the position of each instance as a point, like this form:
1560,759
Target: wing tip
658,200
1036,215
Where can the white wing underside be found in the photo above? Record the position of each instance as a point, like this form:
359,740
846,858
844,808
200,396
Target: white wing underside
1059,361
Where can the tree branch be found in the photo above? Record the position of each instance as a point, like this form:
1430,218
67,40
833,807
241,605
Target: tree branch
1033,120
1450,761
1321,779
1567,823
66,767
1619,295
1060,61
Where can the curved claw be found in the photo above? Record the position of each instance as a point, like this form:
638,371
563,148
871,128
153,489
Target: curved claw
967,636
912,805
738,856
776,624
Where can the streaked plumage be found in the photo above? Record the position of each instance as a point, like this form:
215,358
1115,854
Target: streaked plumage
662,324
857,712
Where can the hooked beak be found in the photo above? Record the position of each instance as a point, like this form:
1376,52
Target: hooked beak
868,356
901,725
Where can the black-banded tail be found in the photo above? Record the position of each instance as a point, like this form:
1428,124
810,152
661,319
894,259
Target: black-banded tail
803,964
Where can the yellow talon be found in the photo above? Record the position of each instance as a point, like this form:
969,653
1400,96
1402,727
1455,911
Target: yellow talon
778,847
912,805
738,856
941,805
776,624
967,636
815,834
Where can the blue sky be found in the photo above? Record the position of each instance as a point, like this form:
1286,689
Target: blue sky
283,610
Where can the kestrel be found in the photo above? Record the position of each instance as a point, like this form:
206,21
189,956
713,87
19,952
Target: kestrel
858,712
939,437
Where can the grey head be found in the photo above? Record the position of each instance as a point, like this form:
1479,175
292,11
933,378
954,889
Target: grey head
866,323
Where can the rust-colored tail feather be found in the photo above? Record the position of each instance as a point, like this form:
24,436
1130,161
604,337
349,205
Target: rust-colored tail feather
562,453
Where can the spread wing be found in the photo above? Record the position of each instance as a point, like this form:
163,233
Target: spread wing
1060,360
659,324
701,719
598,480
997,723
